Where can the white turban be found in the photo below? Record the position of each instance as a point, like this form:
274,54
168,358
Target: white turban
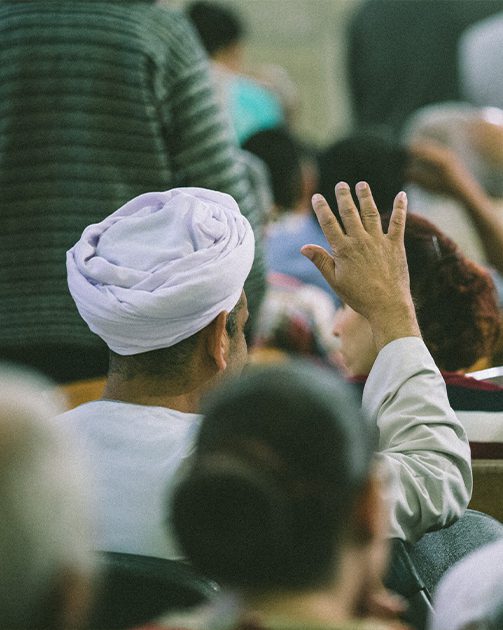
160,268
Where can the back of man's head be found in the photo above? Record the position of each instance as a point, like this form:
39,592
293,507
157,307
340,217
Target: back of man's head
46,563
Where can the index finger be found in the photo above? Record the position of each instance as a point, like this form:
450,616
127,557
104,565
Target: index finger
328,223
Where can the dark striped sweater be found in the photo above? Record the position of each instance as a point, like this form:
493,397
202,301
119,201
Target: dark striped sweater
99,102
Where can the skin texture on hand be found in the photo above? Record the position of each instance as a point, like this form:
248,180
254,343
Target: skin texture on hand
366,267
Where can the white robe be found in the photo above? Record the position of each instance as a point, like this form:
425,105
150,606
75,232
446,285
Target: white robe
137,451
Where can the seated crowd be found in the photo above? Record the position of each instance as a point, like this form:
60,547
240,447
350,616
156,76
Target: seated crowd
294,455
173,314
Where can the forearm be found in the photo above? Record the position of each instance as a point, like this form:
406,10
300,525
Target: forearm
421,440
488,224
396,322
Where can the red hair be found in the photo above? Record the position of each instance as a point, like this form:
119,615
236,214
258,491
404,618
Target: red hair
455,298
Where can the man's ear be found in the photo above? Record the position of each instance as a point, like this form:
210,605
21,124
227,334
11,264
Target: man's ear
217,341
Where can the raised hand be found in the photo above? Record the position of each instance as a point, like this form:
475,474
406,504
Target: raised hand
367,268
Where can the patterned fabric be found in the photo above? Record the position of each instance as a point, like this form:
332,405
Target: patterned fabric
100,102
296,318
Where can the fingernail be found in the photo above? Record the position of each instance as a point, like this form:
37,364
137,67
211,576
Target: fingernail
361,186
402,196
307,253
342,186
316,198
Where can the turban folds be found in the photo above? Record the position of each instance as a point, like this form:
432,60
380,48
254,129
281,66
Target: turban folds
160,268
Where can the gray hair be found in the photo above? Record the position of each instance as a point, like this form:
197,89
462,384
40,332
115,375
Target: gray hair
44,524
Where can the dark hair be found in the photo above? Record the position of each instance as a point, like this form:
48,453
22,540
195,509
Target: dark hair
455,298
364,156
282,156
218,26
280,459
166,363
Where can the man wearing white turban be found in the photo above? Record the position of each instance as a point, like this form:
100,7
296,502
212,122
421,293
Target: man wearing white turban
161,282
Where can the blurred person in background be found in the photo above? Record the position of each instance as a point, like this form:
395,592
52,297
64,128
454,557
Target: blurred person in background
403,55
481,62
283,156
457,175
366,155
102,101
47,567
250,105
295,319
293,173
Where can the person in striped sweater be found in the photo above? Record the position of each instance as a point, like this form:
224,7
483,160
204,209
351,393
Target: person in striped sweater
100,102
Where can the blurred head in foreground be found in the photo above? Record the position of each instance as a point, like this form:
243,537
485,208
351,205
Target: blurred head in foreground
281,491
45,552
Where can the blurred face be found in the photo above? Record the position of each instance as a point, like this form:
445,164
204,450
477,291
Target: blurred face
357,351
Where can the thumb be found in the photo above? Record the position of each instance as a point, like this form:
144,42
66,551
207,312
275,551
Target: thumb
322,259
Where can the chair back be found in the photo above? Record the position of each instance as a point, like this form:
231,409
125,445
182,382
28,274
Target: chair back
404,579
136,589
437,551
491,375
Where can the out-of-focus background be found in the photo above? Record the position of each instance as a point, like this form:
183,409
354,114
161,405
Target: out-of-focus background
308,39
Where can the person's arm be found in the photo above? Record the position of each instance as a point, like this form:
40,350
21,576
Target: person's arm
437,168
201,147
420,436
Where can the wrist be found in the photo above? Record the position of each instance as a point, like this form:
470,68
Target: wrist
396,322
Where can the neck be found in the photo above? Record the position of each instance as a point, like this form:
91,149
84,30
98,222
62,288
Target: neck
334,603
317,607
143,392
